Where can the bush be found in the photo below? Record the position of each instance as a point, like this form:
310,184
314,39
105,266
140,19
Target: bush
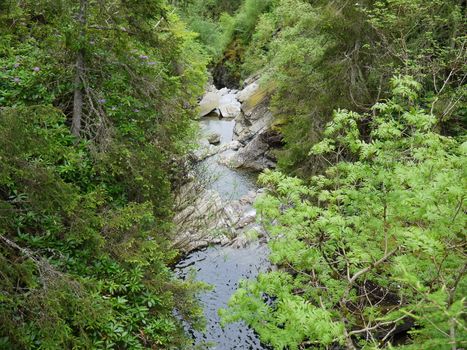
372,247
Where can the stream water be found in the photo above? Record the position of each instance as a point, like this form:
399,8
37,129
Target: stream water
224,267
230,183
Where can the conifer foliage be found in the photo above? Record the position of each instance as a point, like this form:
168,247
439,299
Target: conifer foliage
96,107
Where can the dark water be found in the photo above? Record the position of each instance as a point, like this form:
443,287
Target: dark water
224,267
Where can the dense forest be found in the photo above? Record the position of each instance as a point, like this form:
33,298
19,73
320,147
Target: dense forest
364,213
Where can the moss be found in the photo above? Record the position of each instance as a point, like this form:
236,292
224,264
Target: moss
261,95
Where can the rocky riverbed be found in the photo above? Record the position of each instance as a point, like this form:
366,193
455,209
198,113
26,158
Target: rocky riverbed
216,222
237,141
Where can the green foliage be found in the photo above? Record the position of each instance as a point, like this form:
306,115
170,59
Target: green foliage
208,19
225,29
325,55
84,221
374,244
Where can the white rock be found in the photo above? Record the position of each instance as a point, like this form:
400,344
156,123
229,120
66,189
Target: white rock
248,91
205,150
229,106
248,218
235,145
209,103
224,91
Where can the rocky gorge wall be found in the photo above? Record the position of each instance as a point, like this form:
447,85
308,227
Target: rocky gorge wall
256,139
239,139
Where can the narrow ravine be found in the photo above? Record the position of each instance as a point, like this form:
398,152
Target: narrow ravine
223,266
230,183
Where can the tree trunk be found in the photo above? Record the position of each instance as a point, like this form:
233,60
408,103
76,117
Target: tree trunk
79,72
78,95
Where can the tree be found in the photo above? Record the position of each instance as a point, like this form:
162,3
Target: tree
373,249
326,55
79,72
85,214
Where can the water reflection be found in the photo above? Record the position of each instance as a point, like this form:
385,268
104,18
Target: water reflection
223,267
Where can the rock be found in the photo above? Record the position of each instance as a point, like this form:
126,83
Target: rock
211,88
216,113
249,198
253,128
248,91
257,98
209,103
202,154
229,106
235,145
214,138
222,102
248,217
200,222
224,91
231,214
248,236
246,131
205,150
252,156
241,241
247,127
206,218
203,218
251,79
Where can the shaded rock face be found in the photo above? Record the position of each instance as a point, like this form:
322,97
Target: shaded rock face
253,130
253,120
258,154
225,76
255,155
273,139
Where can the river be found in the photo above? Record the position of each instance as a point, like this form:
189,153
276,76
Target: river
223,267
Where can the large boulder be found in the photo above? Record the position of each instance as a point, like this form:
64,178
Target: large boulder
246,128
256,155
256,117
248,91
209,103
254,129
257,96
229,106
223,102
224,91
